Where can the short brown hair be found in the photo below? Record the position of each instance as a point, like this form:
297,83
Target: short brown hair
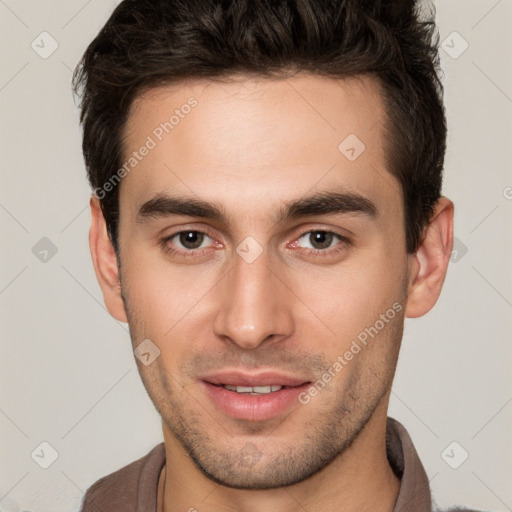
147,43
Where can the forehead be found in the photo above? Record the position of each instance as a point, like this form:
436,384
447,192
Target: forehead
258,139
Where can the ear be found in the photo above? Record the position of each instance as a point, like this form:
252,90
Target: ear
105,262
428,266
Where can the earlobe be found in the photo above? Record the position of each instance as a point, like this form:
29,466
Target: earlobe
105,262
429,264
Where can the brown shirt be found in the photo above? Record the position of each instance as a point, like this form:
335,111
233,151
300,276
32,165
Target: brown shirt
133,488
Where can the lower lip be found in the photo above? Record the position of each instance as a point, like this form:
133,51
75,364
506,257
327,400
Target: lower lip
253,407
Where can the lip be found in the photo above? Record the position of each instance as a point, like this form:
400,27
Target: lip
253,407
266,378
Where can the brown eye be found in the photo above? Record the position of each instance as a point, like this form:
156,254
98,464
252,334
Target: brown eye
191,243
319,243
191,239
320,239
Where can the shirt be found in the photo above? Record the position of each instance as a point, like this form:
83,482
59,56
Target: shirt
133,488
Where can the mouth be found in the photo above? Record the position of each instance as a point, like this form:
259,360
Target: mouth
255,390
257,397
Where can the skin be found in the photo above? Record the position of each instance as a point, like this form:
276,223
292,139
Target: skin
251,146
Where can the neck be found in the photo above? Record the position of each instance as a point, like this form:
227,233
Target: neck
360,479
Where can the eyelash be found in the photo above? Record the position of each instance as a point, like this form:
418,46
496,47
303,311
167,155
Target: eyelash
315,253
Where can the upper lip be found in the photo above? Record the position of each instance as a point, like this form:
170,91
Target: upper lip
266,378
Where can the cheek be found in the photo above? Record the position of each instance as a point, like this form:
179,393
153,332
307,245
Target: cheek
162,295
338,300
353,297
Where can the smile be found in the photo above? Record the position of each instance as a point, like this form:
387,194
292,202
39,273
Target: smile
249,397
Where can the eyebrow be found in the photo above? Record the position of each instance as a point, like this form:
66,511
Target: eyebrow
322,203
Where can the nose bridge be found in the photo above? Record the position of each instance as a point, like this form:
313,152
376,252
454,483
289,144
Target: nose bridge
252,306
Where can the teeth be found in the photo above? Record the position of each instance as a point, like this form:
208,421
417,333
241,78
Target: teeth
253,390
266,389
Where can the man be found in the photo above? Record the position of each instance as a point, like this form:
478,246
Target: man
267,210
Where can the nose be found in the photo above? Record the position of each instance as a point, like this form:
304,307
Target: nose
254,304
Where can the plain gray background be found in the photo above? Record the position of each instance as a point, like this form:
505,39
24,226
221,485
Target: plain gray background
68,376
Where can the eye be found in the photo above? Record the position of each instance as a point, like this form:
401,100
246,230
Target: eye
320,241
187,241
191,239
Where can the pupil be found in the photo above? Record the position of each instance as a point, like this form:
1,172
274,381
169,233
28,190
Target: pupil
320,239
191,239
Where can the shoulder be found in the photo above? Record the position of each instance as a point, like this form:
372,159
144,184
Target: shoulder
121,489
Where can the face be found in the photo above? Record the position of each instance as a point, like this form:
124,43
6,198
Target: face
256,251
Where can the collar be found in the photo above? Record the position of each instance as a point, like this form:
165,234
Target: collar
414,485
